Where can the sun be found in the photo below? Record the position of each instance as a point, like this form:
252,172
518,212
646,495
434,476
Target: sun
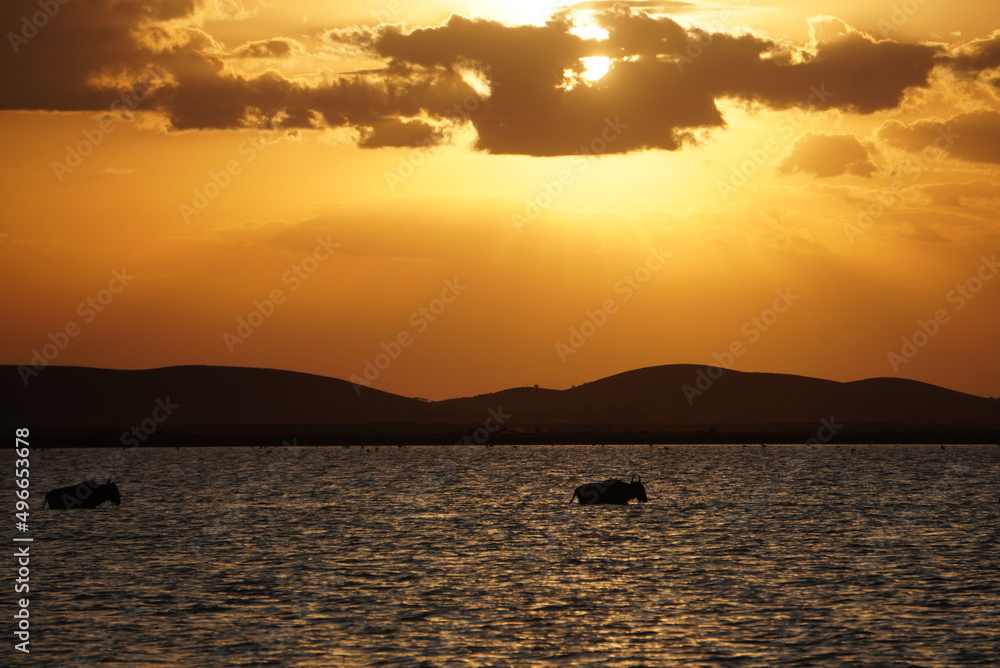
595,67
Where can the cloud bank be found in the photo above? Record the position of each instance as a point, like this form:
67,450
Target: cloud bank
825,155
519,87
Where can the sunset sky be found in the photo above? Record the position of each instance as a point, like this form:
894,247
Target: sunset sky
462,197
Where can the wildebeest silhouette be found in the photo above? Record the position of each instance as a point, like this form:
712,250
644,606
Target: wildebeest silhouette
611,491
88,494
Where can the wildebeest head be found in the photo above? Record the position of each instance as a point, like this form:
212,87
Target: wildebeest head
111,490
638,491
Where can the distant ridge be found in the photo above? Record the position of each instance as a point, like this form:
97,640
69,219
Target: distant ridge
674,403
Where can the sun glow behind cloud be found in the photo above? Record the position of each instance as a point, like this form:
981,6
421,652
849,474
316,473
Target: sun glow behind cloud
590,32
595,67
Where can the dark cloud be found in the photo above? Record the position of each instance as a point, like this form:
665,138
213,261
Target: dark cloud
826,155
637,33
394,132
855,73
279,47
542,52
663,84
974,136
399,94
50,61
120,41
978,55
529,111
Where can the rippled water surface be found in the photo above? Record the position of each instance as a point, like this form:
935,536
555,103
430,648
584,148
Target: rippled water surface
452,556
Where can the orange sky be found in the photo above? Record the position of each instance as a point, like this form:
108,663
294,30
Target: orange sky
514,195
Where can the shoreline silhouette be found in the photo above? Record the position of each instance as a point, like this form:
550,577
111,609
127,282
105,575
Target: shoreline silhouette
202,405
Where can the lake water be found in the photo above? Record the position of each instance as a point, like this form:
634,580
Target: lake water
454,556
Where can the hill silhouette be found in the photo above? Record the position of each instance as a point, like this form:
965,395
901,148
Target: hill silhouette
674,403
667,396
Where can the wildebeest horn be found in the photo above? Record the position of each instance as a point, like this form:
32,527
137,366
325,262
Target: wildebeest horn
632,480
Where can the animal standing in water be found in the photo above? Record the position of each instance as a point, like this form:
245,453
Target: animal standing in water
88,494
611,491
